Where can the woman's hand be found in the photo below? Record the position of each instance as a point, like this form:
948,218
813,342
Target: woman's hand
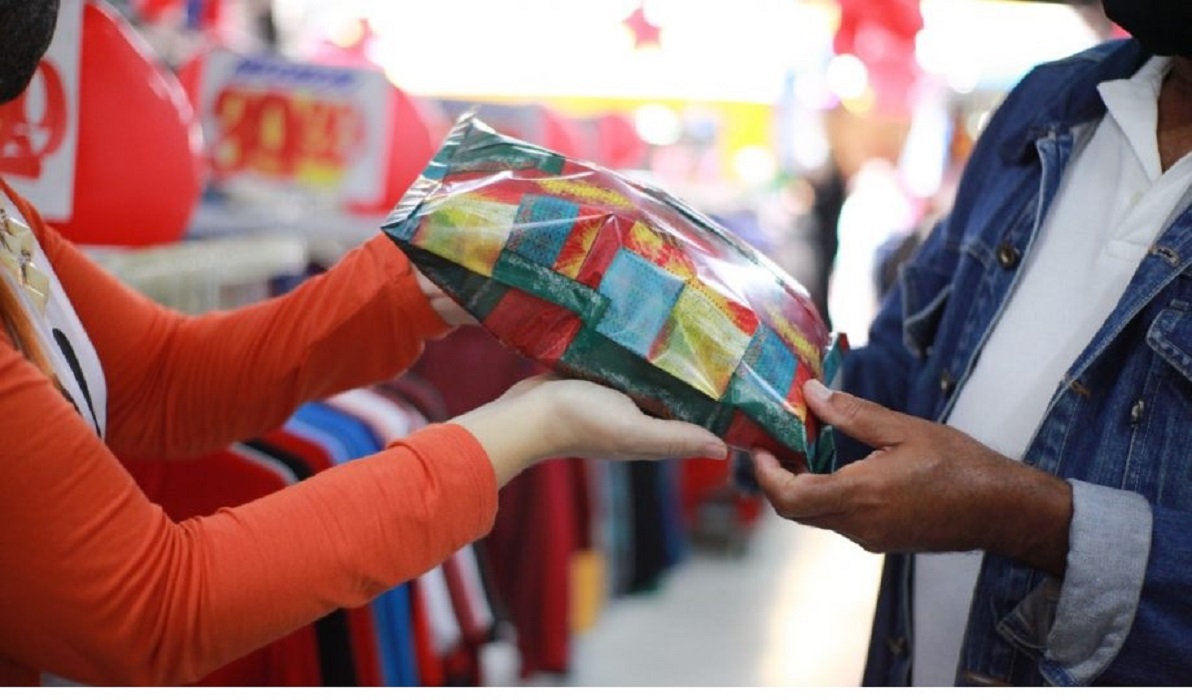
547,417
452,313
926,487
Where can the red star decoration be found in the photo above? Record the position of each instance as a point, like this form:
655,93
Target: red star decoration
644,33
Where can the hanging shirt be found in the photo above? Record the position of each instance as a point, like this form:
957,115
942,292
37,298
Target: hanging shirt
392,609
1113,202
361,625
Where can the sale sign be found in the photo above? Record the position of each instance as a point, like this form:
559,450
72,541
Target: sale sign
39,130
320,129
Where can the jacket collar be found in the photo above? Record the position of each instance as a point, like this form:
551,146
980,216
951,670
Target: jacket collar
1076,99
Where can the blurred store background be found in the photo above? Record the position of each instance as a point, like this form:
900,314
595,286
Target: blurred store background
823,131
260,139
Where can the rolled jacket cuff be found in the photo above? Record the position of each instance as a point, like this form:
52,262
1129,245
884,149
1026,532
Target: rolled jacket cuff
1109,545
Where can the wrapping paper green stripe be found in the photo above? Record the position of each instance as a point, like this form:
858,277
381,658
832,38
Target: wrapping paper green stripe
515,271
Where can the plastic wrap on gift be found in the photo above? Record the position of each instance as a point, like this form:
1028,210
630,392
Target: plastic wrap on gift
600,277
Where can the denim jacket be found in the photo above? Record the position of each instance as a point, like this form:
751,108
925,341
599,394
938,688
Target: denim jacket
1118,427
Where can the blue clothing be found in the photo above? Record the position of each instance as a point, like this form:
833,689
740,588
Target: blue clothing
1117,428
348,437
670,513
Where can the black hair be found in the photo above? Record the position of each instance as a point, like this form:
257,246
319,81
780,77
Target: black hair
26,28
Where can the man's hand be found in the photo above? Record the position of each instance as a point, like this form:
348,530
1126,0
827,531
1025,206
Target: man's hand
926,487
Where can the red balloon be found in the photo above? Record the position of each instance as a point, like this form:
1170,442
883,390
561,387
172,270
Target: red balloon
619,144
151,10
138,171
560,133
881,33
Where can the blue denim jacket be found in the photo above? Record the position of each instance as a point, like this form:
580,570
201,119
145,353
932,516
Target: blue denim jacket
1118,427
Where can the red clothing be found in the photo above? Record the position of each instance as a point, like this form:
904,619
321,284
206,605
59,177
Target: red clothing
430,666
531,547
538,528
194,487
100,586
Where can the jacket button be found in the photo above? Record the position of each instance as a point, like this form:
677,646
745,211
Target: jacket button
947,383
1136,411
1007,255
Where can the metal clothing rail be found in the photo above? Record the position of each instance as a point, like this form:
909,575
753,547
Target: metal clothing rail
195,276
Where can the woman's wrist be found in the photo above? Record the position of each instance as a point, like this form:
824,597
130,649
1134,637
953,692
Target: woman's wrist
542,417
513,432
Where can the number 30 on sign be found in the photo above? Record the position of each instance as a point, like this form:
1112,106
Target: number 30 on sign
318,128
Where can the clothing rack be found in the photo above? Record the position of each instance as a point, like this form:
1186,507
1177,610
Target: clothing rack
202,275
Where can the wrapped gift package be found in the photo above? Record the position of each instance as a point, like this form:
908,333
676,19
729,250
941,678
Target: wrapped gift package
600,277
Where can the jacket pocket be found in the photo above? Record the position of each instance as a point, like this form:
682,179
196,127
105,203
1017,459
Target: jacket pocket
1162,443
925,294
1170,336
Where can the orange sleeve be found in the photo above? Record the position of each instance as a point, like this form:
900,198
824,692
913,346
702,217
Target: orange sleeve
183,385
98,585
101,587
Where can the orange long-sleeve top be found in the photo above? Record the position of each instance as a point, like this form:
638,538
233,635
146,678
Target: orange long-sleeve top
98,585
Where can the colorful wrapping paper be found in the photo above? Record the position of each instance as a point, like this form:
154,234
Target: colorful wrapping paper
600,277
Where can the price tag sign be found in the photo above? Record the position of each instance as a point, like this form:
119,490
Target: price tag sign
39,130
319,129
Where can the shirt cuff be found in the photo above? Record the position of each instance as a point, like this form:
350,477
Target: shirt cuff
1109,545
426,321
466,472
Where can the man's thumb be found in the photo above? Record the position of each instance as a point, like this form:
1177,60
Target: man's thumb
862,420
